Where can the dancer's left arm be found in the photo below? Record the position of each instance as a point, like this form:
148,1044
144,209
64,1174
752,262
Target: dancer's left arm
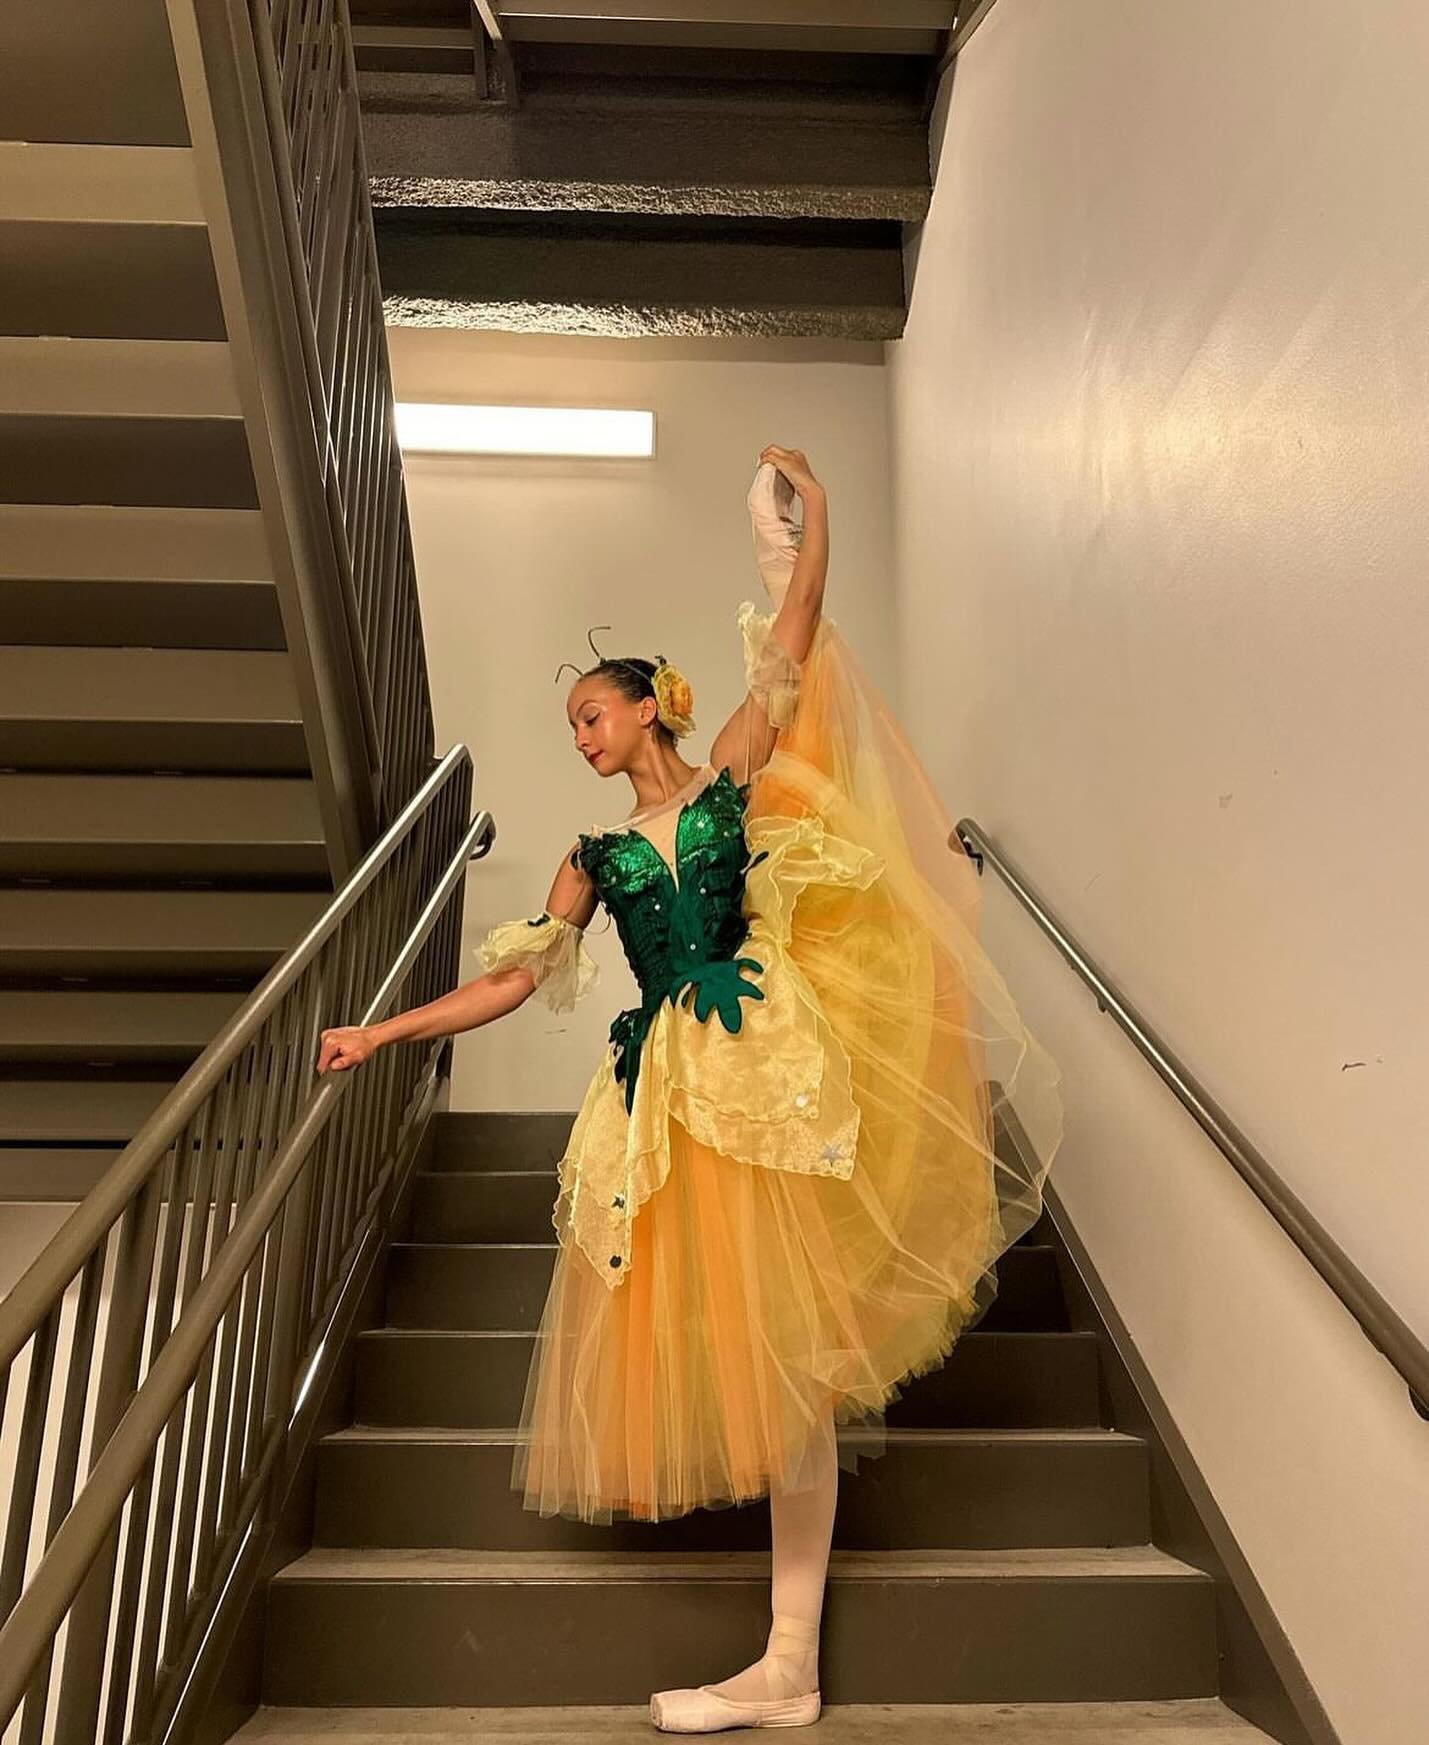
798,616
748,739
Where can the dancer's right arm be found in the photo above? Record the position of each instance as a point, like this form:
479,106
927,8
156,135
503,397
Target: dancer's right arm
546,952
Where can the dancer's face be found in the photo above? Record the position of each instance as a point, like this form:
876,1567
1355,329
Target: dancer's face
607,727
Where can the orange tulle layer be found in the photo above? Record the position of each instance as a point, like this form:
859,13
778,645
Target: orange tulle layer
766,1301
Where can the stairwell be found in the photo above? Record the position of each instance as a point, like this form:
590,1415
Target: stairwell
999,1553
161,840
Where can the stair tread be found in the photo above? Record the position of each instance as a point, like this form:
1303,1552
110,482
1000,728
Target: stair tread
382,1564
173,920
99,1017
99,184
48,375
99,808
1207,1720
131,542
105,1111
182,686
409,1435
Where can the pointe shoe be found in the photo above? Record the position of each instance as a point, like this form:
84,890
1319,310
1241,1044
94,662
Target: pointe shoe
702,1709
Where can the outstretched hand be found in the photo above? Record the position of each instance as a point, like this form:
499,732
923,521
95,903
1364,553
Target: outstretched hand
344,1047
794,464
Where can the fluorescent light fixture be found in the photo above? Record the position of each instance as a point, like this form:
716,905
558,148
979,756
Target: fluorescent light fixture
435,427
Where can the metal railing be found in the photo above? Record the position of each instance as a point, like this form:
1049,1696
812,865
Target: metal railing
271,93
167,1338
309,81
1382,1325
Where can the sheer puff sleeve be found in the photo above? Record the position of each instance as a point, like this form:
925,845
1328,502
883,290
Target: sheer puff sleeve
771,673
551,948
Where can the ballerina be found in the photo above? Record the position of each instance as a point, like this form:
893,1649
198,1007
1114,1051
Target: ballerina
767,1226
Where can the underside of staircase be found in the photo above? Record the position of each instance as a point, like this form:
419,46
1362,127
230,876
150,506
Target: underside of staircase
680,169
993,1573
161,842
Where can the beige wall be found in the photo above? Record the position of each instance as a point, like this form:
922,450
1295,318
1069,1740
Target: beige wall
1159,423
518,557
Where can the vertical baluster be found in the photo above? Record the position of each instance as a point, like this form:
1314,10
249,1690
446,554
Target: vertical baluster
20,1525
146,1547
86,1641
239,1139
184,1433
218,1183
242,1438
66,1463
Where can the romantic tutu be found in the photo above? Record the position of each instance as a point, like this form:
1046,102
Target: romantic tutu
790,1178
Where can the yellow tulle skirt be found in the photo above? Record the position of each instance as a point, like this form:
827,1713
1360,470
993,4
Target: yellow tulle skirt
807,1212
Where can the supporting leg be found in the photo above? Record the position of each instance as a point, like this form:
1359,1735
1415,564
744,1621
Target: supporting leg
785,1679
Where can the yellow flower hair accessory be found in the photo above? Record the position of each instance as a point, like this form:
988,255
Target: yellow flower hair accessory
674,700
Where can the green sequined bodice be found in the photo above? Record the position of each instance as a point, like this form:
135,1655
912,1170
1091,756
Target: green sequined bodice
680,931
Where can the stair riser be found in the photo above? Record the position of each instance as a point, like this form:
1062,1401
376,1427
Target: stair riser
105,614
505,1288
227,863
108,281
953,1495
959,1639
199,463
247,747
501,1139
991,1381
485,1207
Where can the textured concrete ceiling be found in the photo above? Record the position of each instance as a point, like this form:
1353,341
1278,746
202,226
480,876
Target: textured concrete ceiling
726,167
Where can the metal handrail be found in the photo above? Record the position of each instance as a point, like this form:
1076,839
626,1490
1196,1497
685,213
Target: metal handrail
1382,1325
228,1231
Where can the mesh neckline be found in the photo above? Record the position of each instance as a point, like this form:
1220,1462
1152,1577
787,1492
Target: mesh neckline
677,798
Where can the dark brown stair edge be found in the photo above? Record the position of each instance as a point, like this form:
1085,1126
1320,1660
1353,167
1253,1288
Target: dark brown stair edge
1142,1563
1192,1720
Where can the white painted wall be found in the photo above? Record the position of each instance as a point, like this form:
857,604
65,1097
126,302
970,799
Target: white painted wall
1159,425
517,558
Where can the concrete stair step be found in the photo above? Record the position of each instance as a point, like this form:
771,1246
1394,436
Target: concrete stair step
629,274
141,828
476,1380
115,421
74,71
930,1488
480,1286
106,1028
904,27
139,709
503,1629
81,1112
136,575
500,1139
104,242
122,421
157,934
713,149
1176,1721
